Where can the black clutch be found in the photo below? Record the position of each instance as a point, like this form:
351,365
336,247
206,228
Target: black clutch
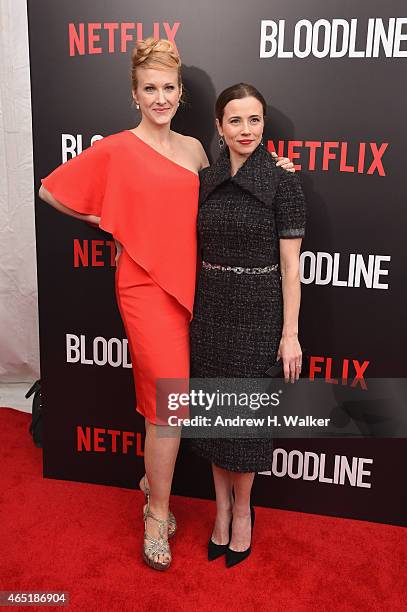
277,369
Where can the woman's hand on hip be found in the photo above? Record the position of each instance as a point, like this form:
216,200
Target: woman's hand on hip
291,354
118,250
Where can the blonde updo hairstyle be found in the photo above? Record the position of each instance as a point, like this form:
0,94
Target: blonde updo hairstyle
160,54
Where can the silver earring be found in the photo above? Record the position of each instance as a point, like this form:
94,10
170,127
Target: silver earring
137,106
221,142
262,142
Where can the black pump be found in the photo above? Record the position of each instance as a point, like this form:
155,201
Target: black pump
217,550
233,557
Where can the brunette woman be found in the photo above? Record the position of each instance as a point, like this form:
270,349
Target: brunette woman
251,221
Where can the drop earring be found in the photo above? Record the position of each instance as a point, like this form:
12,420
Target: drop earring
221,142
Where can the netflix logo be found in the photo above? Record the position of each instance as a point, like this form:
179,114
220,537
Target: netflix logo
94,253
339,371
115,37
102,440
333,155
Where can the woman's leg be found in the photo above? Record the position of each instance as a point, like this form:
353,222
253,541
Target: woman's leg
224,501
160,454
241,526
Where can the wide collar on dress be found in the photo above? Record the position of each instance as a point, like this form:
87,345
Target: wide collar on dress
258,175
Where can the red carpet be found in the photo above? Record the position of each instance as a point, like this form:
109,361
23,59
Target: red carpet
86,539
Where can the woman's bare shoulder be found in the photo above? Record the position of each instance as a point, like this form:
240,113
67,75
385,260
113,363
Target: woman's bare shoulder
188,141
196,149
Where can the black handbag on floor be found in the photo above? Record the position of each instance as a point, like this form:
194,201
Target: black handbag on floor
35,427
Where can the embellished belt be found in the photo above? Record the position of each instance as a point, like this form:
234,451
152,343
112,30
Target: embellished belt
238,269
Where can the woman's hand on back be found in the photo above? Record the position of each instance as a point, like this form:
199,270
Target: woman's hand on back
284,162
119,250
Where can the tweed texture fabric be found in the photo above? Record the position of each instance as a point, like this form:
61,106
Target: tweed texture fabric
238,318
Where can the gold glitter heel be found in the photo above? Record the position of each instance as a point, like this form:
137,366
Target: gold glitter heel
172,523
154,547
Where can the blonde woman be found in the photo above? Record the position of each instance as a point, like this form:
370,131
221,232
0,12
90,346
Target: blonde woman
141,185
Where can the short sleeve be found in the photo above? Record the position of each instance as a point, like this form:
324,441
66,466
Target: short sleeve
80,182
290,208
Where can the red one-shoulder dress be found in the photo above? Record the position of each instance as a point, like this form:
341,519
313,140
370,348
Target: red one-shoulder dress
149,204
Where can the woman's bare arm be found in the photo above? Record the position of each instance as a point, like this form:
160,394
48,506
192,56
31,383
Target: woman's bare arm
290,349
49,199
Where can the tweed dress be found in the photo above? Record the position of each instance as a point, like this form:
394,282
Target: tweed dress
237,323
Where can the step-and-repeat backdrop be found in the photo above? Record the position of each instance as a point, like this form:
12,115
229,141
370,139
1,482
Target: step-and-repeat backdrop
334,78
